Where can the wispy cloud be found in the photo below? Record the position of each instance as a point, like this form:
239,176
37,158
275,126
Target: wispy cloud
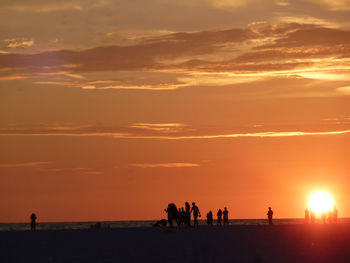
117,135
333,4
160,127
259,52
21,43
164,165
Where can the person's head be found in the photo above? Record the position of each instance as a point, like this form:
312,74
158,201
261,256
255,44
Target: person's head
225,208
193,203
269,207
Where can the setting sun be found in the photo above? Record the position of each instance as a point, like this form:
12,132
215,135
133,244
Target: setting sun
320,202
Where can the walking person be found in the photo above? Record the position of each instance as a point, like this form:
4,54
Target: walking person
196,213
33,222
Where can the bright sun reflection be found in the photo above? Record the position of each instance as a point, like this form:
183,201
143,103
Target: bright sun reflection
320,202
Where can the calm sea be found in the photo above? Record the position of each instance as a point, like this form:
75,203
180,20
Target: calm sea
126,224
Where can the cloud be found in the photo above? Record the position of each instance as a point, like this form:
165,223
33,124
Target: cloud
336,5
344,90
164,165
20,43
159,127
25,164
118,135
259,52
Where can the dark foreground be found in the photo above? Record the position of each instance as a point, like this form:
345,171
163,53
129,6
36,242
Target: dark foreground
280,244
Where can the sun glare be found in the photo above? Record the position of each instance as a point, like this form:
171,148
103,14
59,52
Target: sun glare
320,202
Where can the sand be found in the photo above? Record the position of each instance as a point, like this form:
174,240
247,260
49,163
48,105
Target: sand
282,243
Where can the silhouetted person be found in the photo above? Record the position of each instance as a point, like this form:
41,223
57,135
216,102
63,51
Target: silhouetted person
335,215
182,215
307,216
312,217
225,213
159,223
172,214
33,222
179,217
219,215
210,218
188,214
196,213
269,216
330,216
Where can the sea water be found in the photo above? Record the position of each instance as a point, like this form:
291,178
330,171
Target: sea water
147,223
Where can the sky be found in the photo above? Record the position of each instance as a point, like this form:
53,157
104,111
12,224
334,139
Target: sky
110,110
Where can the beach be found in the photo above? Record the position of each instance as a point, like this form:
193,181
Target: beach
278,243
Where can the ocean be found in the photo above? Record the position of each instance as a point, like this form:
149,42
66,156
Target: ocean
147,223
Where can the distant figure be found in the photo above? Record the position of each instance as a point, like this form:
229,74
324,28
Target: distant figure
159,223
330,216
324,217
225,213
307,216
219,214
335,215
312,217
196,213
172,214
187,214
33,222
269,216
210,218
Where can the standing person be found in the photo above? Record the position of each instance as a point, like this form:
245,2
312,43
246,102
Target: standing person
172,214
196,213
307,215
225,213
335,215
210,218
219,214
182,216
269,216
313,217
188,214
33,222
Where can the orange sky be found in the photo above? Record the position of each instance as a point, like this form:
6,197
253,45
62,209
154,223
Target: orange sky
111,110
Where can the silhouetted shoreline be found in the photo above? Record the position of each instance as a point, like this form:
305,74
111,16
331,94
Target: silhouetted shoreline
24,226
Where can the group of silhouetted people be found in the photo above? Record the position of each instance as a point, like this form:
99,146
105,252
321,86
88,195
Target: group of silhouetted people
220,214
182,216
331,216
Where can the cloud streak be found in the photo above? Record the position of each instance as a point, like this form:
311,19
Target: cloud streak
115,135
164,165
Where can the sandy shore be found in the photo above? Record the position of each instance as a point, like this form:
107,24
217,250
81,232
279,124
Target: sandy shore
283,243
